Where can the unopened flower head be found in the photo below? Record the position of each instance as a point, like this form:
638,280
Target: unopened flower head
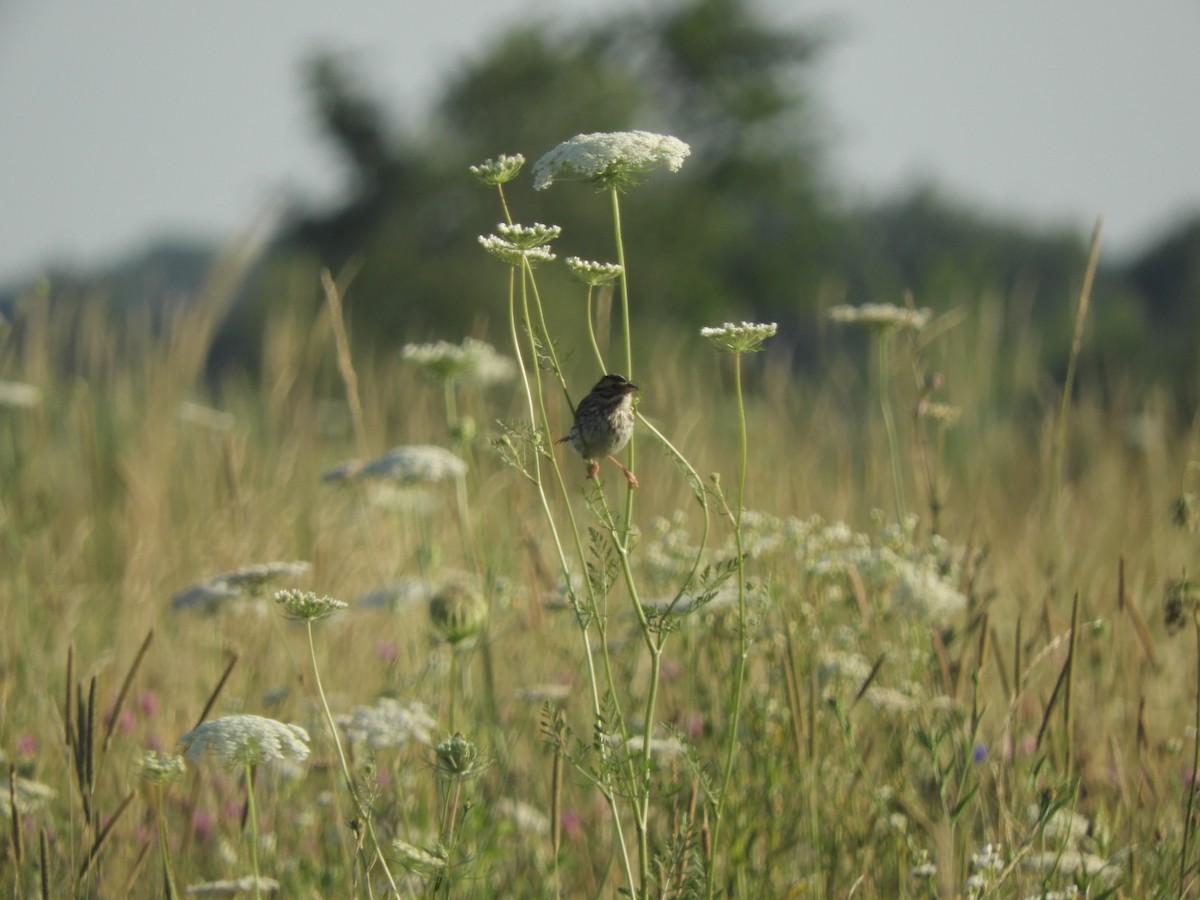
501,170
457,757
743,338
472,360
882,316
458,612
305,606
593,273
416,464
245,740
512,254
610,159
158,767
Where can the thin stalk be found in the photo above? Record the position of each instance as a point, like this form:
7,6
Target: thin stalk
359,807
252,811
164,846
1191,798
627,334
1081,311
740,677
592,332
889,425
558,546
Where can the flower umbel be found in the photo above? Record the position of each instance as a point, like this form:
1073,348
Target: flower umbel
305,606
500,170
245,740
472,360
158,767
593,273
529,237
882,316
610,159
407,465
744,338
511,254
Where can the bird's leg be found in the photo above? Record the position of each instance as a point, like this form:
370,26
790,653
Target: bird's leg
629,476
593,469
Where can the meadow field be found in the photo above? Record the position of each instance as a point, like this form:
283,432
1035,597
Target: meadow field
899,622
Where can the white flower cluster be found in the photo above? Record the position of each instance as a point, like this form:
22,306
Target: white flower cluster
519,243
245,583
893,570
231,887
158,767
610,158
389,723
500,170
593,273
881,316
30,795
305,606
18,395
472,360
245,740
415,464
744,338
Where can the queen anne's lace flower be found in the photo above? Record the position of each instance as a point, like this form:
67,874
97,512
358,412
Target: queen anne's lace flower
420,463
500,170
593,273
305,606
512,254
743,338
30,795
527,237
613,159
245,740
231,887
389,723
881,316
18,395
240,583
158,767
472,360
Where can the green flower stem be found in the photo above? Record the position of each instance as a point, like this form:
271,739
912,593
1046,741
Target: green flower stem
252,811
164,846
889,424
592,331
743,631
359,807
627,333
564,566
453,681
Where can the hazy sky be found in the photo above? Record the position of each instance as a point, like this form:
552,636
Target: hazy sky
131,119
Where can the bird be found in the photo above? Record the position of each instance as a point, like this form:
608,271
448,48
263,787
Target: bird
604,423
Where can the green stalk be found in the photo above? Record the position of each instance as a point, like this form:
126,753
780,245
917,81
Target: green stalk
740,677
627,333
253,812
359,807
889,425
592,332
558,546
164,847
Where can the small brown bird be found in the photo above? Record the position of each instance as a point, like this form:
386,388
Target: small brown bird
604,423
